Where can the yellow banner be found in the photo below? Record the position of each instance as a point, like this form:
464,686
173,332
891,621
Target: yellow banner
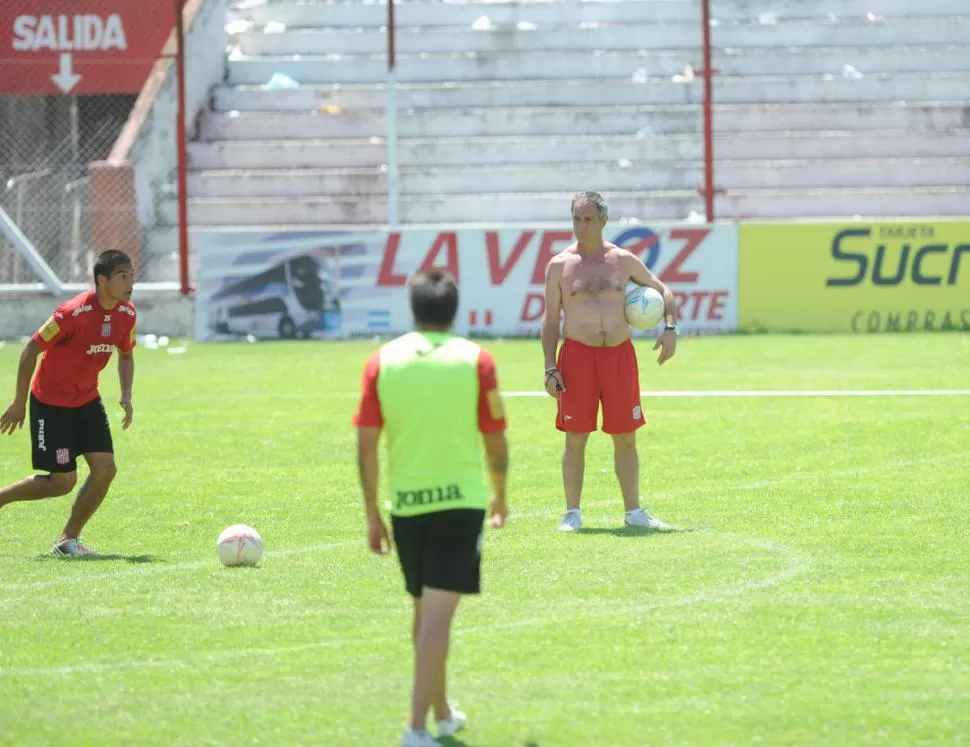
861,277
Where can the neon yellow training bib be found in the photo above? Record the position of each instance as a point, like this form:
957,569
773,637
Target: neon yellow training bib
428,389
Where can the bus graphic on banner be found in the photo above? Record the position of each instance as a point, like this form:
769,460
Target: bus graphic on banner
293,298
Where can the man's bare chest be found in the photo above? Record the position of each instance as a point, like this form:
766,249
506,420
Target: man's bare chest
593,281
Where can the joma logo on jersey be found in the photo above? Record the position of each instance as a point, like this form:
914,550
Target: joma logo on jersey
95,349
428,495
126,310
82,309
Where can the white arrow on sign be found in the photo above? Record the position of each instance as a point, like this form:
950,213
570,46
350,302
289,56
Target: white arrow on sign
66,79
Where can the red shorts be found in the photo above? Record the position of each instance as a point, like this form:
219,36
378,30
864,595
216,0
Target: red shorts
593,375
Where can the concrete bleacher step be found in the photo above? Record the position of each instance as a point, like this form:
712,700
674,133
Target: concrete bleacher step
287,154
584,91
353,14
641,66
842,173
357,123
442,151
632,175
617,36
588,120
547,150
890,202
436,180
589,92
885,202
430,209
730,61
580,92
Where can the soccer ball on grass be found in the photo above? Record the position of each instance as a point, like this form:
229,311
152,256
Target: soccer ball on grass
239,545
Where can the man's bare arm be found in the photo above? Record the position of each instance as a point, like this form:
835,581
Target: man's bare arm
25,371
368,439
126,375
553,311
497,452
641,275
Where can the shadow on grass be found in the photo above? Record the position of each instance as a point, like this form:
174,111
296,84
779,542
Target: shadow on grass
455,742
137,559
634,531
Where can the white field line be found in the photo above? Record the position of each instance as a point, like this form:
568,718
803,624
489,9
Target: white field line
728,393
650,394
796,563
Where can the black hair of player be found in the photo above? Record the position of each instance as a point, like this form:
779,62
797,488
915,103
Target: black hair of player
108,262
434,299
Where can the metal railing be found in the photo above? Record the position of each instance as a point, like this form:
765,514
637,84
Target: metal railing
14,268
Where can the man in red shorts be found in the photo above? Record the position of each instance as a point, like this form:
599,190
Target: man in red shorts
597,363
67,417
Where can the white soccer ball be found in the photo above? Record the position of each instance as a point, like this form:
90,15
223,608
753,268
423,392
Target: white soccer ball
644,308
239,545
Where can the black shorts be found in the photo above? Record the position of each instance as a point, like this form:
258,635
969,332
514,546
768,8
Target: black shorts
59,434
440,550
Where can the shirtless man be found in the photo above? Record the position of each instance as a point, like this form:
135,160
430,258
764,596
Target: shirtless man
597,362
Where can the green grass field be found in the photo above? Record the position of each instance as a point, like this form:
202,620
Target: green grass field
818,593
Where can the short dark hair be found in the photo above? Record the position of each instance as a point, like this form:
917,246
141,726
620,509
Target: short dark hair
109,261
434,298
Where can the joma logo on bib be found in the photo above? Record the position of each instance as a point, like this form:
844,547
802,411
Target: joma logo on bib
408,498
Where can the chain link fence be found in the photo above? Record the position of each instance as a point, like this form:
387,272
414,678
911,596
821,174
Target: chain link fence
45,177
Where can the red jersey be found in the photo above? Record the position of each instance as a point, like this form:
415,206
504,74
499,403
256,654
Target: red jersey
77,341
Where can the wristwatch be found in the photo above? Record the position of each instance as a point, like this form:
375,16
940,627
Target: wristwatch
674,329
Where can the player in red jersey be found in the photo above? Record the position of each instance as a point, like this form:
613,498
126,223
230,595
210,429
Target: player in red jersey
67,417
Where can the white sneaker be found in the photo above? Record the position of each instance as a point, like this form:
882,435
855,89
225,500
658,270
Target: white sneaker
640,518
571,520
453,724
418,739
72,548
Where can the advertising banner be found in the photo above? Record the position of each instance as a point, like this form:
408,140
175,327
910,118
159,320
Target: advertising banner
861,277
332,284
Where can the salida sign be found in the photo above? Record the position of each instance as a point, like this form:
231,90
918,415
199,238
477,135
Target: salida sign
80,46
501,273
